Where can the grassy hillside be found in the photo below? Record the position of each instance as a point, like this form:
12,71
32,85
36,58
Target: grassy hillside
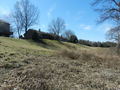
53,65
17,47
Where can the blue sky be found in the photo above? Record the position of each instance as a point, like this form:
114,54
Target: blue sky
78,15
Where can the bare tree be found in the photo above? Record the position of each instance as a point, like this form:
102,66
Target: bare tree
114,34
109,10
17,19
57,26
24,15
68,33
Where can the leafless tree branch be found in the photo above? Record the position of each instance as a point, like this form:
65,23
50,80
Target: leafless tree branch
24,15
57,26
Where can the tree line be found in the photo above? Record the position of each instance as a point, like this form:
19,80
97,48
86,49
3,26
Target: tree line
38,36
97,44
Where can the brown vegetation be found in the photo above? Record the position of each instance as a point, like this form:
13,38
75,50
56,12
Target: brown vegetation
69,70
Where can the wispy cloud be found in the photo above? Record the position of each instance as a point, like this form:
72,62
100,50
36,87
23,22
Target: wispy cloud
4,11
51,9
5,14
50,12
66,24
104,27
85,27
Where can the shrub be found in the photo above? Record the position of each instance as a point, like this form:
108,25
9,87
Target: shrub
73,39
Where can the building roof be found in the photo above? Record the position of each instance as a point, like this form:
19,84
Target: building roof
2,21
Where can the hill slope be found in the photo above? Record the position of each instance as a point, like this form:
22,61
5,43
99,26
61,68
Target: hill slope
26,65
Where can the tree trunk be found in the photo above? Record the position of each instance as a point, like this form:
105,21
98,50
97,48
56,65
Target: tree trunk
26,29
19,33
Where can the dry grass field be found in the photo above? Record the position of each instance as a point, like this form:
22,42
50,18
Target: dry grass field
26,65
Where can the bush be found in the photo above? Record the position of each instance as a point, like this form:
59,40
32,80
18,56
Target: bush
73,39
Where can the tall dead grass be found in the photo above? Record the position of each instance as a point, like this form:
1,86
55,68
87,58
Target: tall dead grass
70,54
106,55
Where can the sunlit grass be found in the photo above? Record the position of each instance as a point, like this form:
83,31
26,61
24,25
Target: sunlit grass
55,65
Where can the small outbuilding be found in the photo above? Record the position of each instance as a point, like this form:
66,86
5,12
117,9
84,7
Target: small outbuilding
5,29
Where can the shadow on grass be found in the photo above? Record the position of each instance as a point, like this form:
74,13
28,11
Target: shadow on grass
44,44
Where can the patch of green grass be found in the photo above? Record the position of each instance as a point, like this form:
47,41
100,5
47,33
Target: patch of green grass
17,49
